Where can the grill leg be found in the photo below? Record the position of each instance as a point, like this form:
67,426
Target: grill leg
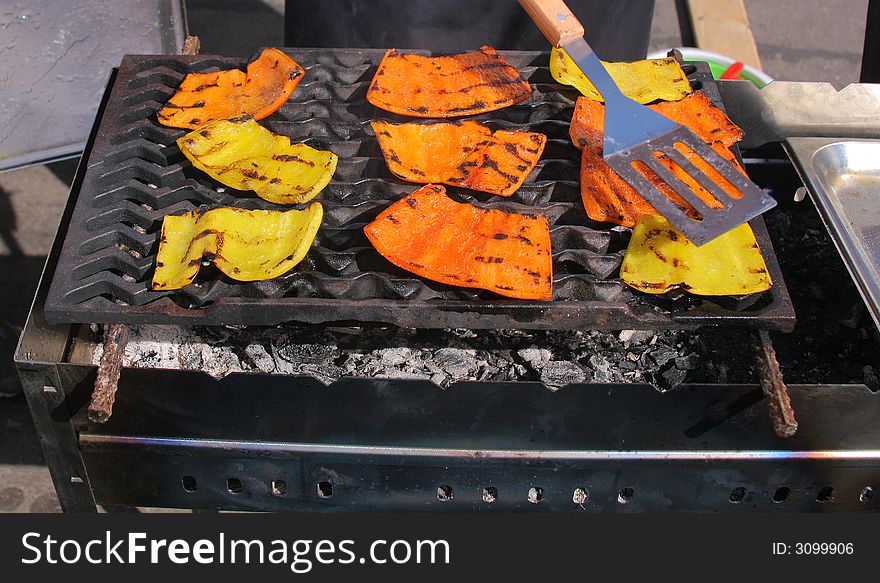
47,402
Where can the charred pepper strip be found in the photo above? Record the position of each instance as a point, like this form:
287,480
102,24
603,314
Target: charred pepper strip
644,81
462,153
449,86
205,97
429,234
607,197
659,259
246,245
244,155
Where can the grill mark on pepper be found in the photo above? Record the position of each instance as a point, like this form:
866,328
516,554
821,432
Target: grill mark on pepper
471,107
291,158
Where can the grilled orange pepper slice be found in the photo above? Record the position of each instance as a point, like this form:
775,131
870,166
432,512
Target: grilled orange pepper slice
448,86
463,153
431,235
205,97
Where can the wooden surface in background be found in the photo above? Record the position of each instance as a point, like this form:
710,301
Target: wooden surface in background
722,26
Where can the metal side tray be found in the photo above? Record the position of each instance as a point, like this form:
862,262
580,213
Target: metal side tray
843,177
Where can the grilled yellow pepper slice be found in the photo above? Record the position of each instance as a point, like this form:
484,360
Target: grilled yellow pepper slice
245,245
659,258
644,81
244,155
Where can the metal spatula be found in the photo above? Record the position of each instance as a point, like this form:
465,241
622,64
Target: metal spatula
636,134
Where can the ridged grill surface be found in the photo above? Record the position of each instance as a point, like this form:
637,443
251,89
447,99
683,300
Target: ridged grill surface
136,175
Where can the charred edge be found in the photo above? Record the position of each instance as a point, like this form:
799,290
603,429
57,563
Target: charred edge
205,134
240,119
417,172
385,133
651,285
294,75
416,265
205,86
504,287
451,276
421,109
758,270
289,158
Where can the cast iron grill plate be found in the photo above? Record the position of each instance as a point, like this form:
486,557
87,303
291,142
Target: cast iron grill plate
136,175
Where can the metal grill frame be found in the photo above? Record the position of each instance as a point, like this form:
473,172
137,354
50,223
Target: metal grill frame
107,156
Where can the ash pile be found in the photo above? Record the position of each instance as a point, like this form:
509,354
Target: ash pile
663,359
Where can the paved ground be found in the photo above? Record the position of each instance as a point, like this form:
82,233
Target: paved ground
804,40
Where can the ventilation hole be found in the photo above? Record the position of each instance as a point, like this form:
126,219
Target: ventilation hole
490,494
279,488
826,494
189,484
444,493
781,494
325,489
233,485
867,494
580,496
625,495
737,495
536,494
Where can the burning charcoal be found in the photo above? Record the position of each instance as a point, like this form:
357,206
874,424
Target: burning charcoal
325,374
304,353
558,373
395,356
190,357
626,335
441,379
457,363
536,357
261,358
602,369
671,378
688,362
663,355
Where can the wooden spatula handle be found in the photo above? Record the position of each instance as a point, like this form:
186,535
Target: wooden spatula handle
554,19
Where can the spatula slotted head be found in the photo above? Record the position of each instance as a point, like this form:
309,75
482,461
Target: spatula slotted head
630,152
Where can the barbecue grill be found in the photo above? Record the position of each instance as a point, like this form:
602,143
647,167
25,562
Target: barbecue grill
348,384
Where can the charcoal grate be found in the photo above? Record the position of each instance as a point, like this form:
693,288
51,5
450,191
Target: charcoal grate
136,175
